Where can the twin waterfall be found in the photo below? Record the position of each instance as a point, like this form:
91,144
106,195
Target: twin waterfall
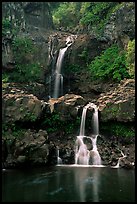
82,155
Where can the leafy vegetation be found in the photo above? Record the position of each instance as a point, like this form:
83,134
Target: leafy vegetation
118,129
83,14
55,124
72,68
26,69
30,117
67,11
9,130
96,14
110,64
6,26
10,27
84,54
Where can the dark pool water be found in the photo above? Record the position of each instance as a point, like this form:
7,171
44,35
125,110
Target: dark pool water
68,184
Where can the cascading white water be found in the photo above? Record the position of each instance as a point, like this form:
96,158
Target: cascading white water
119,160
82,154
82,125
59,160
95,121
58,77
96,159
61,84
58,72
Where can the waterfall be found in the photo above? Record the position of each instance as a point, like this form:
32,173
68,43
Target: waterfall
58,85
58,72
95,121
82,154
119,160
82,125
96,159
61,84
59,160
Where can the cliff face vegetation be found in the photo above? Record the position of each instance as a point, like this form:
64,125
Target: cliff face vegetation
98,67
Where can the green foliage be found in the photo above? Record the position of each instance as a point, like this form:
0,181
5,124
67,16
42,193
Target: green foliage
55,124
72,68
66,15
88,15
130,58
26,69
52,123
72,125
30,117
6,26
84,55
111,64
5,78
118,129
96,14
11,130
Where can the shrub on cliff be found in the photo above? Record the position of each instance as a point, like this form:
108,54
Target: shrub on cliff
111,64
26,68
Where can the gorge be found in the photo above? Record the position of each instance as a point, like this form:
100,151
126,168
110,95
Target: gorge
45,90
68,101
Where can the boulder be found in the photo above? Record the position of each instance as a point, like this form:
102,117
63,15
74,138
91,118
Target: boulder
21,107
67,106
119,104
31,148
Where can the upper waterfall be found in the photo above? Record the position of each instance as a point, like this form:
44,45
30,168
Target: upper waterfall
58,85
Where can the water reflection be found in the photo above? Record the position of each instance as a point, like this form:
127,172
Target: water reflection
69,184
96,175
79,182
122,179
87,183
